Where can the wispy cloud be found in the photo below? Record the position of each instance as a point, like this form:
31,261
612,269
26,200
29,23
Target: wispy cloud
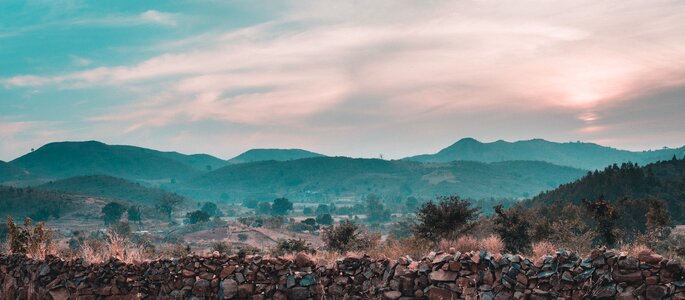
404,60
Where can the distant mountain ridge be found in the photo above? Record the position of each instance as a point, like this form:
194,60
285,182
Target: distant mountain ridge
9,172
256,155
588,156
342,176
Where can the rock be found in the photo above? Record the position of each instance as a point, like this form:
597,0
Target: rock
605,291
308,280
440,275
649,257
229,288
227,271
629,263
656,292
303,260
436,293
299,293
631,277
392,295
43,270
59,294
201,288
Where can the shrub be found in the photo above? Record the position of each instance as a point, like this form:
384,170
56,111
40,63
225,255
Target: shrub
345,237
221,247
445,220
242,237
281,207
284,247
112,212
197,216
543,248
512,225
34,241
492,244
325,219
466,243
605,217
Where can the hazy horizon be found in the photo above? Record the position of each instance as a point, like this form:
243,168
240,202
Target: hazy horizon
397,78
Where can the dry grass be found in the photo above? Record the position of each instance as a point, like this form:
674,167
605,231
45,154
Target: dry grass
115,246
492,244
634,249
394,249
543,248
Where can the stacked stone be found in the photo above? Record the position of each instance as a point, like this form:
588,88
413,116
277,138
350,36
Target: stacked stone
474,275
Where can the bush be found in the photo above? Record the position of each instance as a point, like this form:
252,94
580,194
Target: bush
284,247
445,220
492,244
112,212
243,237
34,241
513,226
543,248
221,247
197,216
346,237
325,219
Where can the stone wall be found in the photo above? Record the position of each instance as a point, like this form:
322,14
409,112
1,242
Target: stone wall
475,275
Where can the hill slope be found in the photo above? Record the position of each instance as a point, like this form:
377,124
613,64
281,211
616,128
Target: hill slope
255,155
11,172
587,156
108,187
341,176
661,180
68,159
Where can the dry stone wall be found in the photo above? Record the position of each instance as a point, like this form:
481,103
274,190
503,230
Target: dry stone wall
474,275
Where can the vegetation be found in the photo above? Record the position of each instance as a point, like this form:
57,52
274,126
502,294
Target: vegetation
446,219
346,237
167,203
34,241
112,212
281,207
196,217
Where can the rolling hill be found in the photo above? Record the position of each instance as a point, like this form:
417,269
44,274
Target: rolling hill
68,159
10,172
663,180
108,187
256,155
586,156
341,176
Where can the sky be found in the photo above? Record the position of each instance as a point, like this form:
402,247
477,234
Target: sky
353,78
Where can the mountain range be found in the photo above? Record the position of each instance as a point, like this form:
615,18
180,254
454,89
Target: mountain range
587,156
468,168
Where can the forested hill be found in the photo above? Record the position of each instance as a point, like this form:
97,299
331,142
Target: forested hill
108,187
663,180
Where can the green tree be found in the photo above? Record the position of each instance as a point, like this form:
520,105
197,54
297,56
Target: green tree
210,208
513,227
344,237
307,211
112,212
133,214
264,208
447,219
250,203
167,203
322,209
375,210
281,207
196,217
324,219
605,217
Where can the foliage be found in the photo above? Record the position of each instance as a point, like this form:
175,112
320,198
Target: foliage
243,237
112,212
221,247
167,203
345,237
264,208
133,214
447,219
325,219
375,210
292,246
281,206
196,217
307,211
512,226
121,228
605,217
250,203
211,209
34,241
402,228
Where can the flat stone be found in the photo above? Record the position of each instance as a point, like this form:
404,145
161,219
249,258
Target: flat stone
436,293
229,288
392,295
656,292
440,275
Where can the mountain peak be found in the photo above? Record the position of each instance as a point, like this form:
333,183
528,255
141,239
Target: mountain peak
262,154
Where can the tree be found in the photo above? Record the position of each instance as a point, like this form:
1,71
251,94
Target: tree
324,219
344,237
112,212
447,219
605,217
197,216
210,208
308,211
264,208
134,214
281,207
513,227
658,215
375,210
167,204
250,203
322,209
